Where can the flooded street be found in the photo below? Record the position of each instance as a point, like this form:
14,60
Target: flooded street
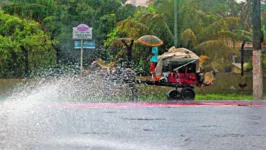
130,128
132,75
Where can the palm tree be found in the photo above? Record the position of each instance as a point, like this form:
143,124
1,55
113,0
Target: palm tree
142,23
208,32
145,22
212,41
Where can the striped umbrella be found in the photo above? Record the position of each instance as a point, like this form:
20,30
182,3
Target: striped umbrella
150,40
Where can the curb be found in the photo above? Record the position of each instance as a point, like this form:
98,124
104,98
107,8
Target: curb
155,104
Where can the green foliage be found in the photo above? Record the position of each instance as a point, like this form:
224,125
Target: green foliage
15,33
188,34
125,11
213,30
58,17
209,40
204,22
107,23
111,37
30,9
218,52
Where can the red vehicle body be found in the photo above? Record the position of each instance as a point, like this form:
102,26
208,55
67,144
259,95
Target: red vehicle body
182,78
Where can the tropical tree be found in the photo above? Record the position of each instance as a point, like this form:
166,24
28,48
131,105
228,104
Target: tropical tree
212,41
124,12
208,32
144,22
30,9
58,17
23,46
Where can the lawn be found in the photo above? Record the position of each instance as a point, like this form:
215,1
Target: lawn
224,97
158,97
160,93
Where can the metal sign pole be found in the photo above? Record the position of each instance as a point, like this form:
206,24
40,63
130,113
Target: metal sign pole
82,32
81,56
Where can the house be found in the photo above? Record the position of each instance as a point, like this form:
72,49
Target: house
247,55
144,3
236,67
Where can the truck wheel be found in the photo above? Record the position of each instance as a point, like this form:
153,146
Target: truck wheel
173,95
188,94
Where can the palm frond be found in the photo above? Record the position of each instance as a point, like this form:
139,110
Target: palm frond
218,26
216,50
244,35
132,27
188,34
226,35
50,19
157,22
145,17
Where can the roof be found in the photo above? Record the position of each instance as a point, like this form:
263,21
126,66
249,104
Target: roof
238,44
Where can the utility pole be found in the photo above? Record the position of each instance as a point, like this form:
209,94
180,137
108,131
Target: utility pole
175,25
257,40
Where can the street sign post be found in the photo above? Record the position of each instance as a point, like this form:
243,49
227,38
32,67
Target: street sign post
82,32
86,44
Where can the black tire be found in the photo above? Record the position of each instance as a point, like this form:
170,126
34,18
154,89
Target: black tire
188,94
173,95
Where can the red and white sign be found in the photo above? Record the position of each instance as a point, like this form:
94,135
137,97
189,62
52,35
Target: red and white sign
82,32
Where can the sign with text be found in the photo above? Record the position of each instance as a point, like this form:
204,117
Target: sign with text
82,32
86,44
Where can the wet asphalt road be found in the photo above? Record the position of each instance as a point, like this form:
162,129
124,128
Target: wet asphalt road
136,128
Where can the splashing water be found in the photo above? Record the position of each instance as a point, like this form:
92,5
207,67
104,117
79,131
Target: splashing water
21,112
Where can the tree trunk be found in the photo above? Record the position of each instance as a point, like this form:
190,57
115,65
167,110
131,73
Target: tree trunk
257,76
26,55
129,52
257,40
58,50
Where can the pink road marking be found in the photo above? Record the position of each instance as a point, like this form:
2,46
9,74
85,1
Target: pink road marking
130,105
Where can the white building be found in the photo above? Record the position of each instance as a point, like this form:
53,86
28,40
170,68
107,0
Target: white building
139,2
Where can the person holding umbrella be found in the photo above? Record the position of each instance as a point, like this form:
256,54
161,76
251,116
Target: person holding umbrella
153,58
154,42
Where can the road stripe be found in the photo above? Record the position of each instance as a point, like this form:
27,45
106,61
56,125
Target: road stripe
121,105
